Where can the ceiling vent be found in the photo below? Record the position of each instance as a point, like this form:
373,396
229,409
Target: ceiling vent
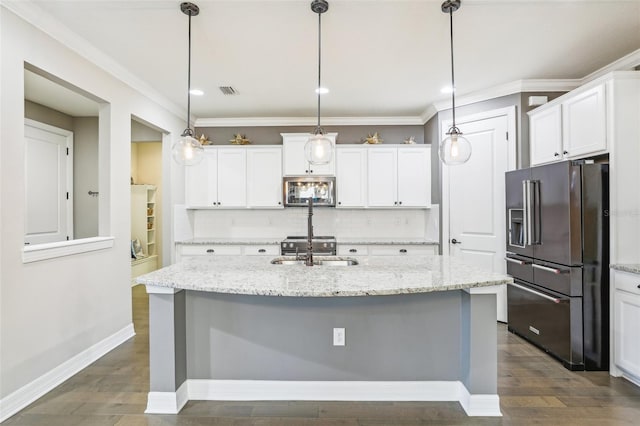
228,90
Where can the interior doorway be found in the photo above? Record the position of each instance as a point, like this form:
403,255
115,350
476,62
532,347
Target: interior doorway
146,199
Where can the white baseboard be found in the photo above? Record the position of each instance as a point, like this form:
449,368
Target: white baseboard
279,390
168,402
484,405
24,396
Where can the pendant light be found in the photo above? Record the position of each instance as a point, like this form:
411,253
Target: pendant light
188,151
319,149
454,149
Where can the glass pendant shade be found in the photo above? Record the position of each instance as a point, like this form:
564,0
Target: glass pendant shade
187,151
455,149
318,149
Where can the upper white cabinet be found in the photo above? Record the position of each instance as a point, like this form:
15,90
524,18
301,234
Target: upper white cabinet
219,180
264,176
584,123
571,126
399,176
545,129
351,176
294,160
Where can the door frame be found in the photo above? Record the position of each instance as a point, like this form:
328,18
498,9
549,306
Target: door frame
510,113
68,135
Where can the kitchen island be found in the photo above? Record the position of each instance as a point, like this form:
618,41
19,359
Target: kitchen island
240,328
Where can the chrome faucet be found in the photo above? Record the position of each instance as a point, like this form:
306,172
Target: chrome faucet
309,257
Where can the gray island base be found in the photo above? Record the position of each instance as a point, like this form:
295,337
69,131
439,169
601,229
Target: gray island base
416,329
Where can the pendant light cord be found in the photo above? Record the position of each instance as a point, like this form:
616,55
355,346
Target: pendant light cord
188,130
453,79
319,66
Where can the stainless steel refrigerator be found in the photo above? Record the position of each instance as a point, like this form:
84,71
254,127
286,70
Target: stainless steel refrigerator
558,255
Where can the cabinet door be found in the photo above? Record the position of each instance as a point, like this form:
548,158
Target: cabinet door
232,177
627,333
545,135
414,176
382,175
584,123
201,181
293,158
351,176
264,177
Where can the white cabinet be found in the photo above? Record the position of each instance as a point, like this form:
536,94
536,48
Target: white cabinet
571,126
351,176
545,129
399,176
293,157
219,180
362,250
584,123
264,177
627,323
189,250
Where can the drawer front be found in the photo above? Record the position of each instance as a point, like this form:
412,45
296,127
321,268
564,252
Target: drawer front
266,250
355,250
398,250
519,267
627,281
563,279
204,250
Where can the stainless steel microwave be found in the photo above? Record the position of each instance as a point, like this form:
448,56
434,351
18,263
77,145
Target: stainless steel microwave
297,190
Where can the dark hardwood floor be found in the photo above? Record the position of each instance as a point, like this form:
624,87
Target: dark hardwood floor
533,389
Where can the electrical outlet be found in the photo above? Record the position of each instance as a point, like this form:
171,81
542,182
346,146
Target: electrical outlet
338,337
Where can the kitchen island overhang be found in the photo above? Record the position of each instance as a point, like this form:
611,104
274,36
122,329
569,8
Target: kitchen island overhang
416,330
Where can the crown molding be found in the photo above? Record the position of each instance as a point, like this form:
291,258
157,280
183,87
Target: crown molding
34,15
308,121
428,113
518,86
626,63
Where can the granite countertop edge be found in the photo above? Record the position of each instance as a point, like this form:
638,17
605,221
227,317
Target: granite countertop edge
634,268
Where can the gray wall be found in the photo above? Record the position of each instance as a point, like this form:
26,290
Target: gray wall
270,135
85,163
404,337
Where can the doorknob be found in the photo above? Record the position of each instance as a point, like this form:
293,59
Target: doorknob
454,241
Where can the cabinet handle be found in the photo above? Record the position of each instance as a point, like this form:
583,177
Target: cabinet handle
565,152
219,203
400,202
339,203
403,251
306,171
356,250
279,202
310,171
555,154
211,251
395,203
262,251
638,284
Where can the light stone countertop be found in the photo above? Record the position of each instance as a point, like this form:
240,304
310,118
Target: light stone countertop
277,241
634,268
376,275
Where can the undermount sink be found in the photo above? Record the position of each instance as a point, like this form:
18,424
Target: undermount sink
318,261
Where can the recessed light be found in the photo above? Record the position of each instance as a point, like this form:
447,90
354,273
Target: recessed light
322,90
196,92
447,89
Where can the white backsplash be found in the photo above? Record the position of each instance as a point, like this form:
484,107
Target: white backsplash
342,223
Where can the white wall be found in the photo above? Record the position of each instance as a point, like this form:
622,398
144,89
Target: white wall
54,309
342,223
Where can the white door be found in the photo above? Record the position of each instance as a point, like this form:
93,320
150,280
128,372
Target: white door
232,177
48,183
382,172
414,176
351,176
264,177
475,193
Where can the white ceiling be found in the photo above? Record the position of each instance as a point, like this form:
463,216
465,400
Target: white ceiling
380,58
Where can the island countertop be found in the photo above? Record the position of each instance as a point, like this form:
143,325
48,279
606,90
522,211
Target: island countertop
376,275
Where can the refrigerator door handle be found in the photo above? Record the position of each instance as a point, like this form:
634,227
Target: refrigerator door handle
517,261
548,269
526,216
536,212
537,293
